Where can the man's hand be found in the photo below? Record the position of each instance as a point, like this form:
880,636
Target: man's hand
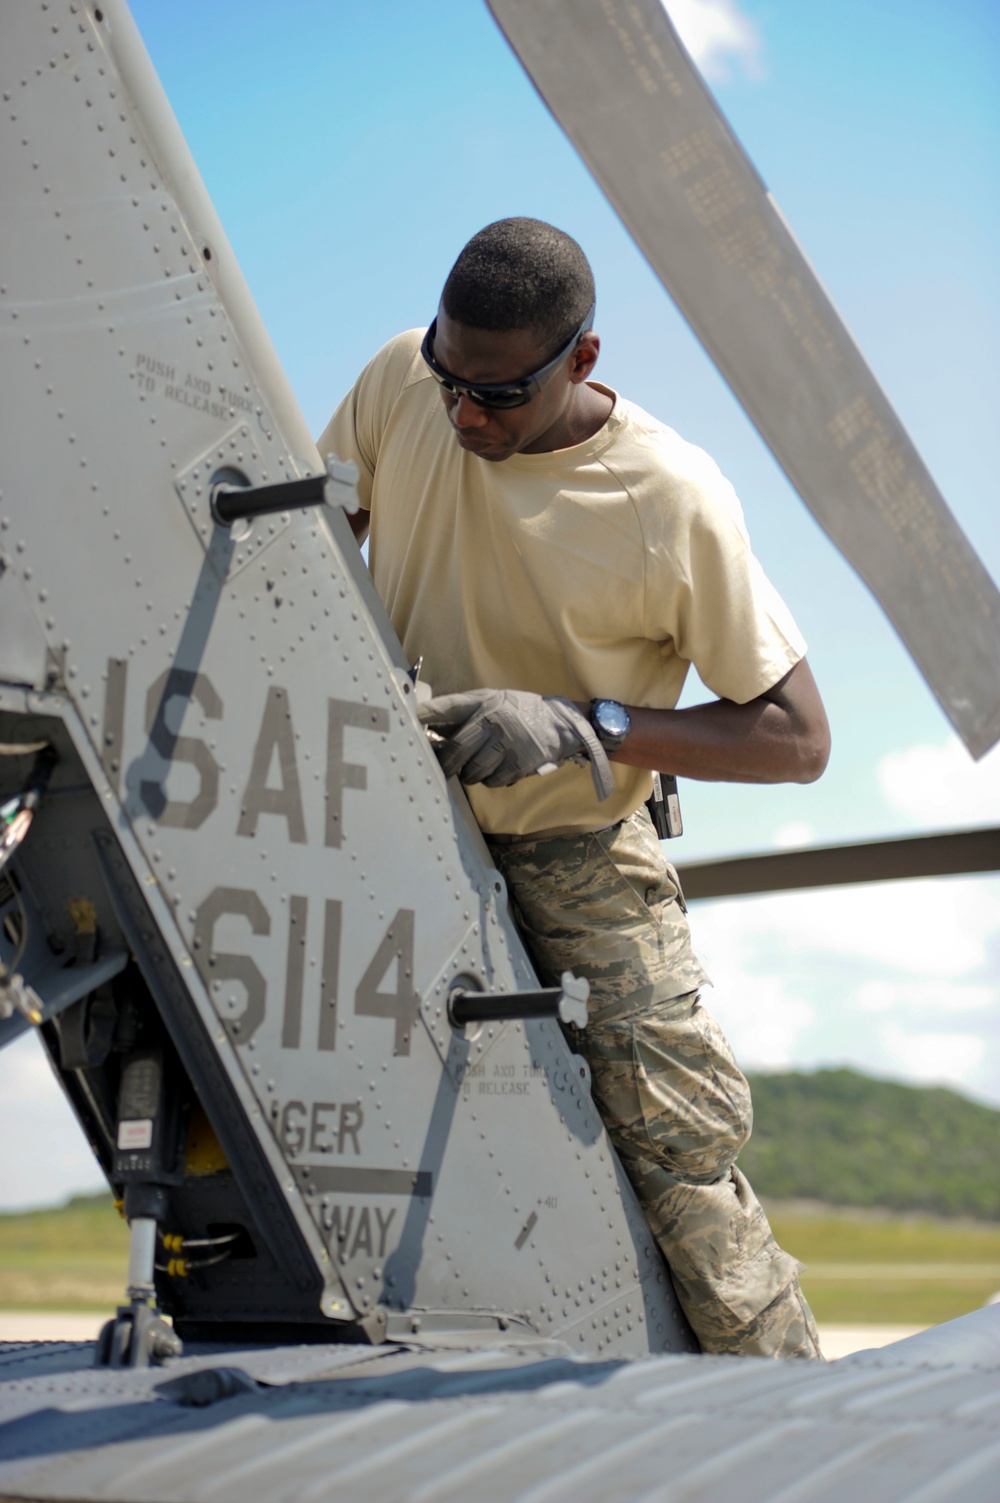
499,736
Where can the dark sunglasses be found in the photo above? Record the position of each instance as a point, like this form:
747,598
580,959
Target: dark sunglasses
507,393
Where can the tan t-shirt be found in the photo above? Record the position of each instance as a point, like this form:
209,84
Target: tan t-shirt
602,570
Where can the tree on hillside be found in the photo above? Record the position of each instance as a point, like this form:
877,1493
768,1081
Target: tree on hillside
848,1139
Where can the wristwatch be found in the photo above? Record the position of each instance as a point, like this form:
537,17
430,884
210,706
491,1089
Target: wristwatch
611,721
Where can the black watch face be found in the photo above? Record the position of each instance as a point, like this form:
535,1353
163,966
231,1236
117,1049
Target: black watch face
611,718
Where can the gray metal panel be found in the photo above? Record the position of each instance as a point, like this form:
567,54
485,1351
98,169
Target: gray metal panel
24,657
307,886
506,1423
618,80
119,37
969,1341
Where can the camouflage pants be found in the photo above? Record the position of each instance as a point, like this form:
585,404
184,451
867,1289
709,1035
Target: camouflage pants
607,905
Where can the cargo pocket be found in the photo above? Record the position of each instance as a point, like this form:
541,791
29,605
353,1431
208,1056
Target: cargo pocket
694,1099
631,877
756,1282
673,881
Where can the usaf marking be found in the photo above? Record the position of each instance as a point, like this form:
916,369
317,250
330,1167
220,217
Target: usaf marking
275,742
274,748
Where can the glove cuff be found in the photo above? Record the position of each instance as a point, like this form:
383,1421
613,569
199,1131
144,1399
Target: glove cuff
600,767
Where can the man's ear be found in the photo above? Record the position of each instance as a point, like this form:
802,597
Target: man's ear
584,358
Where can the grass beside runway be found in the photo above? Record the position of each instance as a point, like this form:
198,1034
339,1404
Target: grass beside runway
863,1267
72,1257
868,1268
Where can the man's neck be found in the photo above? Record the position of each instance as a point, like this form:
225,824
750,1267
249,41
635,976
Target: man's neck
581,421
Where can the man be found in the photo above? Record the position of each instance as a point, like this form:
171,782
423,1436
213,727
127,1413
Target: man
559,558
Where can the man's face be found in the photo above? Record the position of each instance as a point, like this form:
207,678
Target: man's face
494,356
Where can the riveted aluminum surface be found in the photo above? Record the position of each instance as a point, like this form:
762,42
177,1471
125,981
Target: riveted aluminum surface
280,847
512,1421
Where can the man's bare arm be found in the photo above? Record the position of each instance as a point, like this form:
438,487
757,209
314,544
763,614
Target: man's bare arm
782,736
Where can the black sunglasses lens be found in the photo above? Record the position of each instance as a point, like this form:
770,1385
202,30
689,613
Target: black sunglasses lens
502,399
516,397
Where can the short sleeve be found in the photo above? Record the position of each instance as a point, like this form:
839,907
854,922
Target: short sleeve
356,429
706,592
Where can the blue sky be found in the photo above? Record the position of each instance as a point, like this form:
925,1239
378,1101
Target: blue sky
351,150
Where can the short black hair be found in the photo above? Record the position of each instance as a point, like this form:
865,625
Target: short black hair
521,274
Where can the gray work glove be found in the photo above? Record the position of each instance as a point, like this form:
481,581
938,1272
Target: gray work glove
499,736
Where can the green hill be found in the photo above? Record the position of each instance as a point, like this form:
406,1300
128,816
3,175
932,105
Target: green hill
849,1140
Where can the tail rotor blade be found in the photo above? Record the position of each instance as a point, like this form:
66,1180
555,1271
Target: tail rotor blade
954,853
619,82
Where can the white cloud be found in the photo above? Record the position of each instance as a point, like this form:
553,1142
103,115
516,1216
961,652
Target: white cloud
715,31
790,837
897,979
933,1057
900,979
941,787
925,997
934,926
763,1018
